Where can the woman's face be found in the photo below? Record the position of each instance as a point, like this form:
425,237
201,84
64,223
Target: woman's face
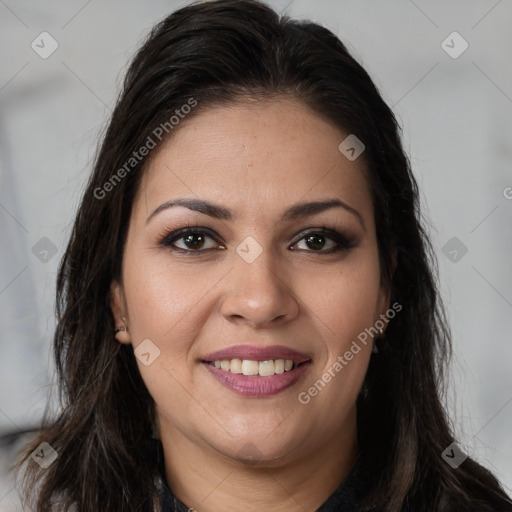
256,275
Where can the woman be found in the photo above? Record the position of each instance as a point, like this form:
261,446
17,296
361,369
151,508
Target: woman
248,315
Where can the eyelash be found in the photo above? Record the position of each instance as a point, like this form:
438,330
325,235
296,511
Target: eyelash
343,242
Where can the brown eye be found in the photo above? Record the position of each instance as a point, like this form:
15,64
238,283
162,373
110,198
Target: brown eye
194,241
324,241
190,240
315,242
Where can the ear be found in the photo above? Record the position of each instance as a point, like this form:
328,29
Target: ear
118,308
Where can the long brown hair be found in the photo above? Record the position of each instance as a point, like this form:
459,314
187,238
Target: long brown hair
218,52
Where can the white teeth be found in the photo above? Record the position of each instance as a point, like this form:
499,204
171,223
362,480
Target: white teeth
266,368
250,367
236,366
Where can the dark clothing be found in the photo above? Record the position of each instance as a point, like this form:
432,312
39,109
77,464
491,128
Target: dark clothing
344,499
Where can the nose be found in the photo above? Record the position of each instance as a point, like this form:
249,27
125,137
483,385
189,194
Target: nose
258,294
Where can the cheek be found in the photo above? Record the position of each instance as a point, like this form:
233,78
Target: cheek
164,306
161,297
167,307
344,299
343,304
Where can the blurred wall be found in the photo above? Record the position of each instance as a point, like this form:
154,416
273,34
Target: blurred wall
451,92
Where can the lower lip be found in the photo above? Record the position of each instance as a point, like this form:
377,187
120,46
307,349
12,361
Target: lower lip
253,385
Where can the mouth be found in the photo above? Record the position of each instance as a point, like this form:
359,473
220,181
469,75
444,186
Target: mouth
257,371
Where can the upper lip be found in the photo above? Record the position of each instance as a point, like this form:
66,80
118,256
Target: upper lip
257,353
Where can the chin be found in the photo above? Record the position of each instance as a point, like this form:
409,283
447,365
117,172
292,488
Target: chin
258,449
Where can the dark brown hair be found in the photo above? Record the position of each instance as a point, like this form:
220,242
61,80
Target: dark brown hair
218,52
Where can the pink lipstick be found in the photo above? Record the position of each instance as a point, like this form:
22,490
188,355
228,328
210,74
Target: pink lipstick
256,371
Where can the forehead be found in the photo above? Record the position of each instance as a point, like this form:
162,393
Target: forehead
256,157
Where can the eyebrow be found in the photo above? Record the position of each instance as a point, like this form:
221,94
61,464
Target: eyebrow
294,212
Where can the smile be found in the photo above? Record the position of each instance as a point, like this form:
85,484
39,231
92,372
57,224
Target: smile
256,371
251,367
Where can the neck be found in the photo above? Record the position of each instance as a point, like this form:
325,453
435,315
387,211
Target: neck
208,481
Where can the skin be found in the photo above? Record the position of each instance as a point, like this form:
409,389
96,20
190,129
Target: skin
256,159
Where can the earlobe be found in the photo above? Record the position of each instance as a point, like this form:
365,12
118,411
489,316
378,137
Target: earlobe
118,308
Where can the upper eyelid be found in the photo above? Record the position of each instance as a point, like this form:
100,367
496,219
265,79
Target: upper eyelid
181,232
200,229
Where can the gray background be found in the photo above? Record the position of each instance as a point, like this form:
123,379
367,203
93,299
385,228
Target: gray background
456,115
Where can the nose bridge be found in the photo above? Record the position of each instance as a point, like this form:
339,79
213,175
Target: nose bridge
259,294
258,266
